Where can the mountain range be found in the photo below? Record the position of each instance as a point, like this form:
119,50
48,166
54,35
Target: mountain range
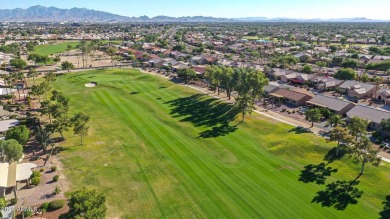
52,14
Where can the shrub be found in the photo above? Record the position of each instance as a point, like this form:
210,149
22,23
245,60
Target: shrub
13,201
35,181
41,170
53,168
57,190
55,178
27,213
56,204
35,174
45,206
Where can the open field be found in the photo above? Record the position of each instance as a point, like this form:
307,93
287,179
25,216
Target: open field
251,37
157,150
51,49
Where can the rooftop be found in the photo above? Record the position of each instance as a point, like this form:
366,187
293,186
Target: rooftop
329,102
371,114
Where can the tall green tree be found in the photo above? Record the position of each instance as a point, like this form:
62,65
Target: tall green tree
363,152
345,74
67,66
358,127
18,64
313,115
230,80
385,127
32,72
38,58
19,133
210,76
43,136
341,136
87,203
37,90
50,77
62,124
10,150
111,51
68,48
187,75
80,124
245,104
47,109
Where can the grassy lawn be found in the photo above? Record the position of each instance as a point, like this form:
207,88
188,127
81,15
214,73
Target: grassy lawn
251,37
157,151
51,49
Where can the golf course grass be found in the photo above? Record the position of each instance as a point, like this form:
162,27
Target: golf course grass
52,49
157,150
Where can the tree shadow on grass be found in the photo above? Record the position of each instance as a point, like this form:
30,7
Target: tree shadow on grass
339,194
216,131
385,213
332,156
316,173
207,112
299,130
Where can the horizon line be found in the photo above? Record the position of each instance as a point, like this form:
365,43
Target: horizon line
248,17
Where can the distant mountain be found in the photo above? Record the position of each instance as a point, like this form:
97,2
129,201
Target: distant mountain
51,14
251,19
42,14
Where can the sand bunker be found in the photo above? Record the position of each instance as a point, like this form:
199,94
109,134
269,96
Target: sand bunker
92,84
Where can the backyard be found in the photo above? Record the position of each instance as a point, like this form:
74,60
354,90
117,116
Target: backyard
157,150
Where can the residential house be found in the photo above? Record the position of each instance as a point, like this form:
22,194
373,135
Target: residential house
373,115
157,62
296,77
324,83
294,98
271,87
358,90
180,65
338,106
277,73
383,95
170,62
199,70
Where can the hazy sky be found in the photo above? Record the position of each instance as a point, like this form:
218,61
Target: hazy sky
374,9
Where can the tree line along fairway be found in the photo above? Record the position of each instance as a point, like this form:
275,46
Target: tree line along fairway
160,151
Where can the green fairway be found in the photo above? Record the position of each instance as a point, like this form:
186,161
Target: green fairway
251,37
52,49
160,151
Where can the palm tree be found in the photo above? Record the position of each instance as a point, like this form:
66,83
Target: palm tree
335,120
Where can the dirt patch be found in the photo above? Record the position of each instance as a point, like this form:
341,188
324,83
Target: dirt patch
30,196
